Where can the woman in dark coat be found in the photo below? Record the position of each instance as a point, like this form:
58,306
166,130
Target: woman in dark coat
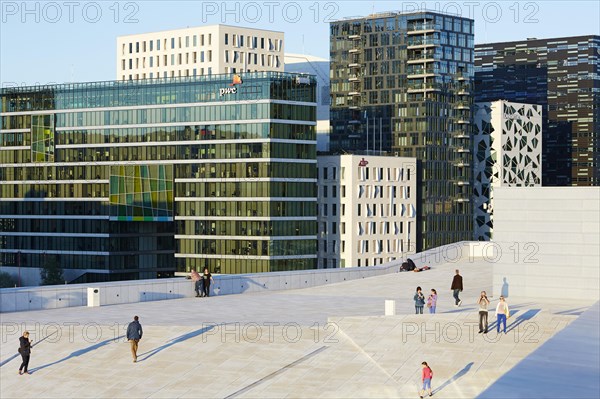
206,279
25,351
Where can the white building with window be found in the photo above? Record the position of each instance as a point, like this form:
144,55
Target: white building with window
205,50
367,209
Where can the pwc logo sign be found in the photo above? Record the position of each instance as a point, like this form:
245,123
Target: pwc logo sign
363,162
232,89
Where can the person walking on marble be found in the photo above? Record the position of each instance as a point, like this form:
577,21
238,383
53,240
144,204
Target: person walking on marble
502,313
197,283
432,301
25,351
134,335
457,287
419,299
483,303
426,377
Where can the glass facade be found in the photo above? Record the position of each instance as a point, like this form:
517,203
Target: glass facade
141,193
139,179
563,76
401,85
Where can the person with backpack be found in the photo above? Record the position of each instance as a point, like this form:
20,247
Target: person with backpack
426,377
419,299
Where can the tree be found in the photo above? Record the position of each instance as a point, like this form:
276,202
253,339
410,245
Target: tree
51,273
6,280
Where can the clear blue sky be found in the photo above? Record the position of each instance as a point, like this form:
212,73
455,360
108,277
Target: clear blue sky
55,42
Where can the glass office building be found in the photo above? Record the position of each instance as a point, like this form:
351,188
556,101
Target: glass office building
128,180
401,85
563,76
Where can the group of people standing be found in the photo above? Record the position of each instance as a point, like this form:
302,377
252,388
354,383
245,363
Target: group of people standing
431,302
202,282
502,311
420,301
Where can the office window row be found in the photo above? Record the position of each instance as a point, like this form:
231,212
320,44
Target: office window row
263,60
253,42
194,57
166,44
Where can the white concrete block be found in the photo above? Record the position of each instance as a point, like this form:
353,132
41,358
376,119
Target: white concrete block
390,307
32,301
8,302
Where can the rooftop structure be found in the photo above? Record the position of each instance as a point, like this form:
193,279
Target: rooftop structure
203,50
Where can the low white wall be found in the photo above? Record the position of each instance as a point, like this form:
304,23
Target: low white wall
547,242
60,296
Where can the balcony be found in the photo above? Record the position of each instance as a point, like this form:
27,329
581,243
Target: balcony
354,37
462,200
463,183
422,42
463,150
354,93
462,105
422,87
421,28
462,164
420,58
421,72
461,135
354,50
463,122
354,65
354,79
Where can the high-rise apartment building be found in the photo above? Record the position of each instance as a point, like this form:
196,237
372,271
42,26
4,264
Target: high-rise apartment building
204,50
367,209
563,76
401,83
508,153
126,180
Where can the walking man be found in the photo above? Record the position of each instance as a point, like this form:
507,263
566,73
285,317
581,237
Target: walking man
134,334
457,287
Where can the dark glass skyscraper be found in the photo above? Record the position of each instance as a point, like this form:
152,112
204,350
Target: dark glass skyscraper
562,75
401,83
127,180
